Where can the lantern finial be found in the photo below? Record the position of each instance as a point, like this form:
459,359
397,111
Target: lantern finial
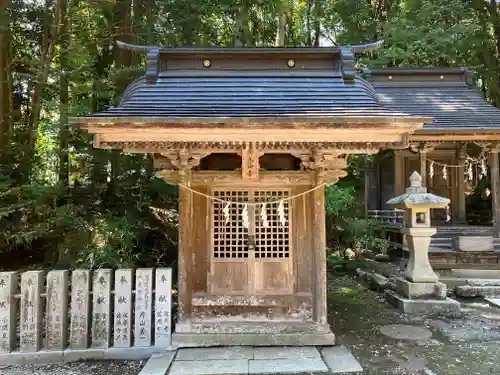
415,180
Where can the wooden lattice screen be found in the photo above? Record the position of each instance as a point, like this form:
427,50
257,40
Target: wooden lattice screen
231,239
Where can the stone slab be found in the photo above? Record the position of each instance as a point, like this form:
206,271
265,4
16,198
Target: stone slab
473,243
483,282
406,332
158,364
200,354
287,366
289,352
475,274
429,307
411,290
339,360
477,291
209,367
186,340
39,358
452,282
494,301
72,355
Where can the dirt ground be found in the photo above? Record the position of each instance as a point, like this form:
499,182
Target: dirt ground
468,344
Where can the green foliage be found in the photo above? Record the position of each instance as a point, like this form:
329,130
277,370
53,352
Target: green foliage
110,210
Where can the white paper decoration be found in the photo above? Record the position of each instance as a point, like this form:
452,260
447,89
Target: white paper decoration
263,216
431,170
484,170
225,211
244,217
281,213
469,171
445,173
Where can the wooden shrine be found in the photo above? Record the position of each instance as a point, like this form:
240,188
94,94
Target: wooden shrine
251,137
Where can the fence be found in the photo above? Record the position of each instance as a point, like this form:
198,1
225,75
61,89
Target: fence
99,314
390,217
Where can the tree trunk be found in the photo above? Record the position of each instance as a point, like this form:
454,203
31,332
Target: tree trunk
64,93
6,109
122,23
241,32
50,27
282,20
318,13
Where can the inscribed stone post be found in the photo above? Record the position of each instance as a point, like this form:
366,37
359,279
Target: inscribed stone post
79,333
57,310
31,311
8,287
101,319
163,306
143,301
123,308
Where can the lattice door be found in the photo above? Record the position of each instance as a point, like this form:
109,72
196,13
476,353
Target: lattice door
255,258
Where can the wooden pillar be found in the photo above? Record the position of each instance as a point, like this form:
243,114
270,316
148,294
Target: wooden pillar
495,190
319,279
185,248
423,166
399,171
461,212
319,257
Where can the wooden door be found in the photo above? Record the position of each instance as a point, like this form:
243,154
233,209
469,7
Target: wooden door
254,257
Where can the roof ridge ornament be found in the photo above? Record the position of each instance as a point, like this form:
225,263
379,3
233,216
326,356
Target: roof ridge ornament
355,48
152,65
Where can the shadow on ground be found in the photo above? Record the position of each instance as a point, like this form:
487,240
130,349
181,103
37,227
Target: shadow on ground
466,344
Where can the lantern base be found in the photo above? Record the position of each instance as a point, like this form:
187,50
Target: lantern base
445,306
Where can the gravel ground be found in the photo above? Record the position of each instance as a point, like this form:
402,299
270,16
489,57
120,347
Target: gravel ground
78,368
468,344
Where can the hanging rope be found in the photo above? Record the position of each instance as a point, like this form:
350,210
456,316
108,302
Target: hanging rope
467,163
251,203
468,172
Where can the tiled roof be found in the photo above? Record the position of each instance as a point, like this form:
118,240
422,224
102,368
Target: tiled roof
446,95
250,94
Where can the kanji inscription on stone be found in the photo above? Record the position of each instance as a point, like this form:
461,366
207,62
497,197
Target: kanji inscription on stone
143,301
8,287
163,307
123,308
101,319
57,310
79,331
31,311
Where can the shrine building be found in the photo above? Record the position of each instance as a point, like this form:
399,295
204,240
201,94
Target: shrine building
251,136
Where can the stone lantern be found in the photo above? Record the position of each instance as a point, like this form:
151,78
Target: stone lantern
419,291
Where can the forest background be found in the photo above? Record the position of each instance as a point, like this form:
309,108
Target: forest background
64,204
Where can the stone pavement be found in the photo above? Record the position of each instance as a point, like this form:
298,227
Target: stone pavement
254,360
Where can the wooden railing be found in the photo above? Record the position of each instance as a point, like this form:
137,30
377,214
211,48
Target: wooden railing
83,314
390,217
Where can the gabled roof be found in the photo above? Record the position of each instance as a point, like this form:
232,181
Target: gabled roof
251,82
445,94
250,94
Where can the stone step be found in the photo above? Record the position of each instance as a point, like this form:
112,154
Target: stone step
483,282
249,360
477,291
475,274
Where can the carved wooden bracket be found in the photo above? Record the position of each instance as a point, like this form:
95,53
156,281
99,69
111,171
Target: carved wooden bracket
423,147
329,167
250,162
